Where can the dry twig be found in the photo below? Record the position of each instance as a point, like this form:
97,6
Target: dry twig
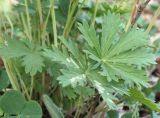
140,9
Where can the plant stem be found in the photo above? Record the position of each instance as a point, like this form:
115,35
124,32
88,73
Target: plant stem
40,23
70,18
95,12
31,87
136,12
54,23
11,76
28,21
25,91
43,82
25,25
78,108
132,15
153,20
140,9
11,24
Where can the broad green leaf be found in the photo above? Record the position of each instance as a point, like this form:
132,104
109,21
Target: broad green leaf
12,102
139,96
31,110
4,81
53,110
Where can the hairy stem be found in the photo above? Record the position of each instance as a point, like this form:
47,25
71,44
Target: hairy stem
95,12
153,20
54,23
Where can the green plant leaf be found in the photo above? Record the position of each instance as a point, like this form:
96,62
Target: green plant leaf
53,110
128,73
112,114
131,40
30,53
121,53
110,28
4,80
134,57
72,77
33,63
127,115
106,94
57,56
84,91
69,92
12,102
89,35
138,96
72,47
1,112
13,49
31,110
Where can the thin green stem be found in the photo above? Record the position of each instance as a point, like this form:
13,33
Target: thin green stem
95,13
43,82
28,21
25,91
25,25
41,32
54,23
69,23
157,13
78,107
11,24
11,76
31,87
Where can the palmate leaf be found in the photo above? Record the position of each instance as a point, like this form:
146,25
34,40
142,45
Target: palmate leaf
30,53
33,63
120,53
